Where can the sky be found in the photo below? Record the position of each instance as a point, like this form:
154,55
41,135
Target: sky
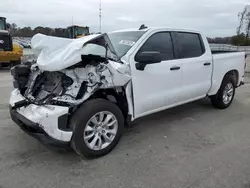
212,17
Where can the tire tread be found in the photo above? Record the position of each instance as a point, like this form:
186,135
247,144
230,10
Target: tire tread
80,118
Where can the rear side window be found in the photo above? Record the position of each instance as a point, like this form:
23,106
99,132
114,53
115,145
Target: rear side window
160,42
189,45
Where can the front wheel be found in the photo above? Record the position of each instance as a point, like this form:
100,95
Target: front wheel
97,127
225,95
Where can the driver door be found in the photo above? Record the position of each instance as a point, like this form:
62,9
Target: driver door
157,87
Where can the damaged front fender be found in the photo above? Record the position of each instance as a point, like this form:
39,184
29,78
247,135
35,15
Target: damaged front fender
91,78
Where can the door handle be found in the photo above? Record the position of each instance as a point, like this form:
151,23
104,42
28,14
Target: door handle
207,64
175,68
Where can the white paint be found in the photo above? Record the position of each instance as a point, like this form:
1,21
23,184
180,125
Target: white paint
15,96
55,53
130,100
223,63
149,91
196,78
45,116
157,88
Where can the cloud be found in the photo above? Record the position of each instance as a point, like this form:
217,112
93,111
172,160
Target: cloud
213,17
126,19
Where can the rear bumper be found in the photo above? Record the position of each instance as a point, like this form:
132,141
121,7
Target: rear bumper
241,81
37,132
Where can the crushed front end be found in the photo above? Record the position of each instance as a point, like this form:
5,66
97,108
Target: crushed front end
32,106
43,101
47,93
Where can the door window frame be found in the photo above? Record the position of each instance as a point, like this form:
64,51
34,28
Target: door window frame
175,36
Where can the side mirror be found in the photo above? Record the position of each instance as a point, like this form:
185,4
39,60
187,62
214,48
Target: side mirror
144,58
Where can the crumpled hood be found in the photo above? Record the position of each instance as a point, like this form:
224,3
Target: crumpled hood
55,53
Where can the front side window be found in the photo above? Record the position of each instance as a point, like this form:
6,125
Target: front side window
160,42
189,45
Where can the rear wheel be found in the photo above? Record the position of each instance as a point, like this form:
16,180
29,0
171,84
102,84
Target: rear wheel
225,95
97,127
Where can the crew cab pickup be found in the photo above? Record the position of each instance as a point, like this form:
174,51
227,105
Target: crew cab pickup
82,92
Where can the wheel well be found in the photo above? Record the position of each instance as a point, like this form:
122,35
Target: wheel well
235,75
116,95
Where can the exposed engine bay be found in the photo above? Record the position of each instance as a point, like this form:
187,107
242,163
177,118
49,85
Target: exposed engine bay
71,86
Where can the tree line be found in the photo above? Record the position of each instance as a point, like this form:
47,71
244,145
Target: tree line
29,32
242,36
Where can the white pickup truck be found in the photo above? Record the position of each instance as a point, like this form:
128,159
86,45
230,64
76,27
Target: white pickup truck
82,92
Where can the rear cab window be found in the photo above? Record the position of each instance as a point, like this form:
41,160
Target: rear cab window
189,45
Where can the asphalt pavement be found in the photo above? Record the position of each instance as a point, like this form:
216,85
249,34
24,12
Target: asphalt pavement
193,145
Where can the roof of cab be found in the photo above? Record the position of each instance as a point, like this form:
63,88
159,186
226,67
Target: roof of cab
158,28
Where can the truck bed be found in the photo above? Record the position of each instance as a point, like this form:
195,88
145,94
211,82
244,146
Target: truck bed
222,64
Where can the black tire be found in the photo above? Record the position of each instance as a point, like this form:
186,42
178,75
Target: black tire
79,121
217,100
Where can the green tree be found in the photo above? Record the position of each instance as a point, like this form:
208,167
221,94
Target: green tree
239,40
243,28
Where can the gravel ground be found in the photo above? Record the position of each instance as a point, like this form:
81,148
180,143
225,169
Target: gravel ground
193,145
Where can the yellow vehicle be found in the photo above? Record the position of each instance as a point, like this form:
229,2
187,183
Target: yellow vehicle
10,53
76,31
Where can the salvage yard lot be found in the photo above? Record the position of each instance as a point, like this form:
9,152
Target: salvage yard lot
193,145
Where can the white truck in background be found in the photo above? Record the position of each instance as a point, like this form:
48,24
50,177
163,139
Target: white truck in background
81,92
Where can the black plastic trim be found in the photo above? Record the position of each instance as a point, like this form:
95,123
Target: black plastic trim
175,44
63,123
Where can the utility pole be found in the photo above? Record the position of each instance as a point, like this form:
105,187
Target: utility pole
100,16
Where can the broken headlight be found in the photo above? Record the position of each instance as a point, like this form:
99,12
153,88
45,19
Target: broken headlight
20,75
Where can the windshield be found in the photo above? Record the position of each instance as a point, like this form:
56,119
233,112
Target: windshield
2,25
123,41
96,49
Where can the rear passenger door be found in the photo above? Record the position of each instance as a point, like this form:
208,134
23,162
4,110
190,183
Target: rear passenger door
196,65
158,85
